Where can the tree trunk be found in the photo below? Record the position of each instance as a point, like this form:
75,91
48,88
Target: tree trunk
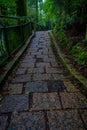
37,11
21,7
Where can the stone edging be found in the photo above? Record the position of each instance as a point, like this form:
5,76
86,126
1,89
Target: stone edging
69,66
12,63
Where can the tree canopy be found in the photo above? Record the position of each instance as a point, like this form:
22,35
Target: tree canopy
66,10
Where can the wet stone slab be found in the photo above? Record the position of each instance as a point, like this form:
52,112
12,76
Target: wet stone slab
36,87
22,78
45,52
28,121
55,86
21,71
35,70
68,100
29,59
83,114
64,120
43,64
39,60
49,60
28,65
3,121
73,100
29,70
45,101
42,77
15,88
14,103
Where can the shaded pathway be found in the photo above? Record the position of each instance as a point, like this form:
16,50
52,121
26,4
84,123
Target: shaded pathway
40,95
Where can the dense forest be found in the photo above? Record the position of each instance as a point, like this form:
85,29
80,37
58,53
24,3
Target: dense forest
69,22
67,19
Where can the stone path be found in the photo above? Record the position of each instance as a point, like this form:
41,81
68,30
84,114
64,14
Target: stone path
39,95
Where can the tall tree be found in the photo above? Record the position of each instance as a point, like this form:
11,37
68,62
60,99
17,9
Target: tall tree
21,7
36,10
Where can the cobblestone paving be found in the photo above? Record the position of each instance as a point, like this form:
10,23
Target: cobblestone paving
39,95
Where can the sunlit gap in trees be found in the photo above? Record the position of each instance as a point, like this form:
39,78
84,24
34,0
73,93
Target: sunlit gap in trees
44,0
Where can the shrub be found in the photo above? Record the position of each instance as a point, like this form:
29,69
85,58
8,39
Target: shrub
79,54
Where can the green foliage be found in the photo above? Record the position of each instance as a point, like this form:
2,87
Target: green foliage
65,14
62,37
10,3
78,50
79,54
82,58
7,7
66,11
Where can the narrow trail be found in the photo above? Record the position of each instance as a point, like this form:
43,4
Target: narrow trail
39,95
